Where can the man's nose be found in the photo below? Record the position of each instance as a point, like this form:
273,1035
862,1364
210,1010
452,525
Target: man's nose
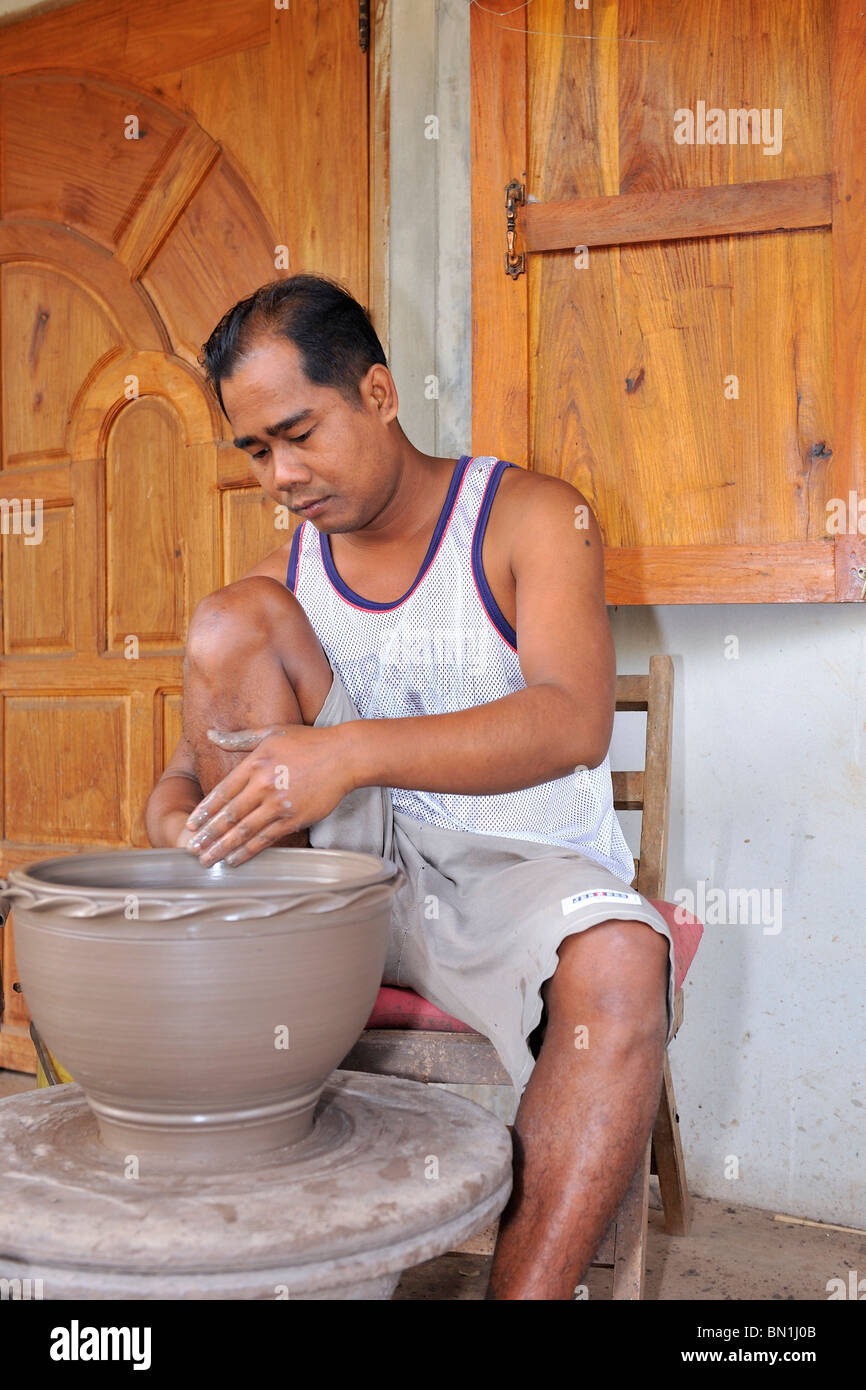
289,471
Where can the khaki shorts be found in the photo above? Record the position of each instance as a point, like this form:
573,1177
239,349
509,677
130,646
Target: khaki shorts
476,925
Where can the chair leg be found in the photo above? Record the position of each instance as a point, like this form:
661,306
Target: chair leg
669,1162
631,1222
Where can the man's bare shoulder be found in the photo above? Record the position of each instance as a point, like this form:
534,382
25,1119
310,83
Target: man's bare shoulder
527,500
275,565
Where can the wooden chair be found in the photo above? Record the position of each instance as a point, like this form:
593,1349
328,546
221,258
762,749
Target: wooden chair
407,1036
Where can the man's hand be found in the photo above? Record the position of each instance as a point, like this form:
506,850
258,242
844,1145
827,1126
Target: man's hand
293,777
177,833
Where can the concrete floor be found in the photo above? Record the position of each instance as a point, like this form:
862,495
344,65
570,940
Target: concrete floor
731,1253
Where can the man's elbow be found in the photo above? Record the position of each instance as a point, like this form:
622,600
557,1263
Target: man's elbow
591,742
593,755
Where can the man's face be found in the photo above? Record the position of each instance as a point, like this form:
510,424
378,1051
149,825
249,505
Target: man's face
310,450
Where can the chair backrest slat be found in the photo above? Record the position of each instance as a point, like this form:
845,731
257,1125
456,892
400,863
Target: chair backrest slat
632,692
647,791
628,791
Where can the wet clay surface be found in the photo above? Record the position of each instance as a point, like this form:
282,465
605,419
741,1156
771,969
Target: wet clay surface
392,1174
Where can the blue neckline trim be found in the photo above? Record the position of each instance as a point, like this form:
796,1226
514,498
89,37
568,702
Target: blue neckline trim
494,612
444,517
292,571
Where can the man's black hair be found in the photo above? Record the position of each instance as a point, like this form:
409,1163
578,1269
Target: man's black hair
331,330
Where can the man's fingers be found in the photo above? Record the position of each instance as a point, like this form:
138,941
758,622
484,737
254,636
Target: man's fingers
242,841
257,843
245,809
240,740
224,792
220,797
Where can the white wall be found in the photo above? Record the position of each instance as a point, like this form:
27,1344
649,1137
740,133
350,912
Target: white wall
769,781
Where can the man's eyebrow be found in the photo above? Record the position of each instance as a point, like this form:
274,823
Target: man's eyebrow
288,424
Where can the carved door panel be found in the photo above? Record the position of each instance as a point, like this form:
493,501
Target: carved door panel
163,162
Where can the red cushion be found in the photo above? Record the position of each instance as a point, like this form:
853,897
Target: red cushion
686,932
403,1008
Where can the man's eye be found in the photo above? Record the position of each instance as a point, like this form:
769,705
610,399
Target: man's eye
299,438
260,455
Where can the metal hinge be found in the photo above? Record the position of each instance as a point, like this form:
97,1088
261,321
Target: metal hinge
515,196
364,24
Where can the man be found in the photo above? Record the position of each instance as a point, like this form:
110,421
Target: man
426,672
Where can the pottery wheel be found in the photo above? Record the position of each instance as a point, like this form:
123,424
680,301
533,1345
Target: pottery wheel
393,1173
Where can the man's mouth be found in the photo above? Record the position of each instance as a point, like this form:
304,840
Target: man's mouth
311,508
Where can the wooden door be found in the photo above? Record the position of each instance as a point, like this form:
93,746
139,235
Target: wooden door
159,162
683,338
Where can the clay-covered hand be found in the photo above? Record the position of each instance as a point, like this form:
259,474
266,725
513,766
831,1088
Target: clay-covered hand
292,777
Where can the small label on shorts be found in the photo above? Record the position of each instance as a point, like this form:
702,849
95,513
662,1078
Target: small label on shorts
598,895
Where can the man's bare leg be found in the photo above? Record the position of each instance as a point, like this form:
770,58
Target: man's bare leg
587,1112
252,660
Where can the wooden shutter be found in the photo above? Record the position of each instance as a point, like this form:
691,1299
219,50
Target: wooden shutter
712,268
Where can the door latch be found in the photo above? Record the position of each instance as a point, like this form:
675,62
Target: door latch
515,196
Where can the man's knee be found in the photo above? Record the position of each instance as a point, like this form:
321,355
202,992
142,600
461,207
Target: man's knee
240,618
616,976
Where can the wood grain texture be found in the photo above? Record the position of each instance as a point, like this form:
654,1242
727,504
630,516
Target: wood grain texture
103,278
849,553
848,140
103,36
669,1159
500,341
91,174
629,1264
628,218
379,295
75,750
145,521
168,725
252,526
689,387
149,221
796,572
115,384
43,312
38,588
652,880
219,250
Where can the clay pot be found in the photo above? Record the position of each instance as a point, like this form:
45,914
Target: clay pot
201,1010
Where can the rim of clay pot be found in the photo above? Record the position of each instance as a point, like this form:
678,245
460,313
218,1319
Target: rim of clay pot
274,881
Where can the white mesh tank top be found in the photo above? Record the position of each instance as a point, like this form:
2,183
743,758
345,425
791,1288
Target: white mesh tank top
446,646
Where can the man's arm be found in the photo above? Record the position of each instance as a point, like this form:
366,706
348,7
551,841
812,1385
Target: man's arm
564,718
176,794
178,791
